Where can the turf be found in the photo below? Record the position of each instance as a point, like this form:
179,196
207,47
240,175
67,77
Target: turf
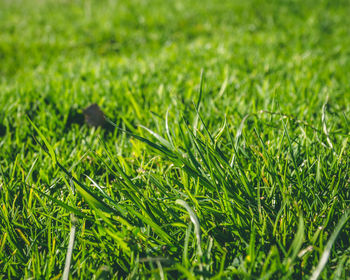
226,153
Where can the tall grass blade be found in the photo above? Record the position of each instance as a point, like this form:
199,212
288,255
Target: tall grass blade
195,222
69,254
327,251
47,144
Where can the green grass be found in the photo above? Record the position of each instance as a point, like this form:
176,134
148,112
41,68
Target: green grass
230,153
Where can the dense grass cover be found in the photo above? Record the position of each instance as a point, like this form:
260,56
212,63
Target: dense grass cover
226,154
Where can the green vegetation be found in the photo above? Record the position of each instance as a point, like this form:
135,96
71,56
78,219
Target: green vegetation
230,153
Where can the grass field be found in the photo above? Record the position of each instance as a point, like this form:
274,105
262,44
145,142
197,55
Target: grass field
227,151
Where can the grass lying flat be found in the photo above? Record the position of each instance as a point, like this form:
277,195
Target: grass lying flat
240,173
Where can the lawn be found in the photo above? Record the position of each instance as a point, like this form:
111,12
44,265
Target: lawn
225,152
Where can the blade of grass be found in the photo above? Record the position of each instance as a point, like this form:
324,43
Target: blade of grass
327,251
47,144
69,254
195,222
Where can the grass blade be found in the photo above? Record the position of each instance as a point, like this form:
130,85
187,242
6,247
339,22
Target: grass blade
327,251
195,222
47,144
69,254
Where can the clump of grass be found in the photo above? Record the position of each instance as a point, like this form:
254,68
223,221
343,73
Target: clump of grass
252,201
